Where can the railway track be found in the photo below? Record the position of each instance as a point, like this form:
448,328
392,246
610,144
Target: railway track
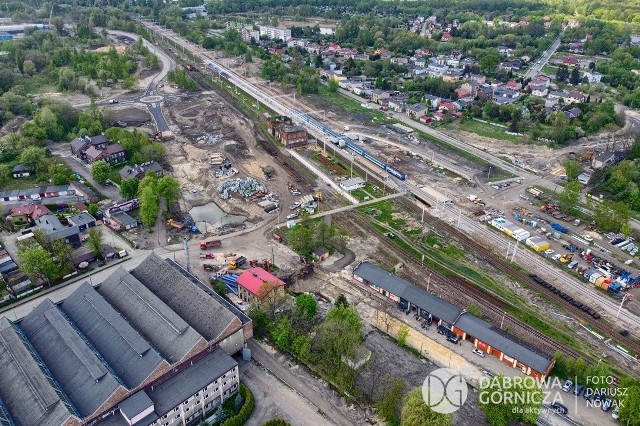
506,267
462,294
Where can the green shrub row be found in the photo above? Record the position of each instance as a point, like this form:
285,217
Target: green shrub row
245,412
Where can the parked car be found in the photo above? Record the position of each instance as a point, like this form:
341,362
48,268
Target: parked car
453,338
556,257
606,405
577,390
588,238
549,251
294,206
614,413
478,352
113,101
559,408
292,216
524,197
567,386
442,329
588,393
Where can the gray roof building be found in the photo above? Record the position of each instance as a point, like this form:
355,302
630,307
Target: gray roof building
25,391
82,375
172,336
133,358
202,312
453,315
82,219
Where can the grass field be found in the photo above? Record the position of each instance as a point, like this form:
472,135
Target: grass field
351,106
488,131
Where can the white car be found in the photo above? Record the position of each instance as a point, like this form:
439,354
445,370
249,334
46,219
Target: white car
588,238
524,197
567,386
478,352
549,251
294,206
557,257
292,216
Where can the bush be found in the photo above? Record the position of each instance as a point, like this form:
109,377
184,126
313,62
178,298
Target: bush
245,412
277,422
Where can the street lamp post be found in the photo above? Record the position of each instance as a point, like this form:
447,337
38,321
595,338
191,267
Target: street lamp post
621,303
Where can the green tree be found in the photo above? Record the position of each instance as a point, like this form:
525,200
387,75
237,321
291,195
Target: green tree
569,197
94,241
630,403
572,169
60,173
169,189
611,216
152,152
306,306
390,399
342,301
281,332
28,67
301,238
37,264
92,209
61,252
574,78
518,401
33,157
403,333
260,320
489,62
148,206
333,85
100,171
129,188
416,412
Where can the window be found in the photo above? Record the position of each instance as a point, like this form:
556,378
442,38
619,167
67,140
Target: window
178,416
197,402
206,396
197,393
224,384
187,409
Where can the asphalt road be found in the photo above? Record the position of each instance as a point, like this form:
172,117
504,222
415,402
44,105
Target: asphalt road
108,190
537,66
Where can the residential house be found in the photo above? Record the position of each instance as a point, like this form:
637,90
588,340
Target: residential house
446,37
504,50
557,95
470,87
20,170
419,61
83,221
573,113
122,221
484,92
603,159
292,136
398,104
425,119
447,106
432,101
112,154
452,76
80,145
502,95
576,47
538,90
462,92
416,110
438,116
584,178
635,40
541,80
575,97
400,61
513,85
511,65
378,95
593,77
256,284
55,231
478,78
320,254
571,61
28,213
140,171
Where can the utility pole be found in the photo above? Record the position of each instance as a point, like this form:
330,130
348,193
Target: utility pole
621,303
186,253
514,251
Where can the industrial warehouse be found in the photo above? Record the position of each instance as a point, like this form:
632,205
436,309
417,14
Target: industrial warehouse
469,327
146,347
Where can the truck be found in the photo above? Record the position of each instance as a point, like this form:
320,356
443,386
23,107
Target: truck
559,228
207,255
204,245
237,262
277,237
566,258
318,196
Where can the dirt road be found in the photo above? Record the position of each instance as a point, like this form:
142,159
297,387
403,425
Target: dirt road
333,407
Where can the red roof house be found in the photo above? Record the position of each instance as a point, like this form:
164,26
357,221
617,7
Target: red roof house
29,213
446,37
255,284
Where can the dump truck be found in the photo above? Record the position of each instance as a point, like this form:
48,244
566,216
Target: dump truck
175,224
210,244
237,262
318,196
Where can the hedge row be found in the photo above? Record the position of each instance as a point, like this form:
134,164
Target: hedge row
245,412
277,422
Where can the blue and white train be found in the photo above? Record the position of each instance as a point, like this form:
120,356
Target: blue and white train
337,138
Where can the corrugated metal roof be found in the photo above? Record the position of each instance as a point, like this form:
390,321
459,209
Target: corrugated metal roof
201,311
129,354
161,326
404,289
24,389
80,373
